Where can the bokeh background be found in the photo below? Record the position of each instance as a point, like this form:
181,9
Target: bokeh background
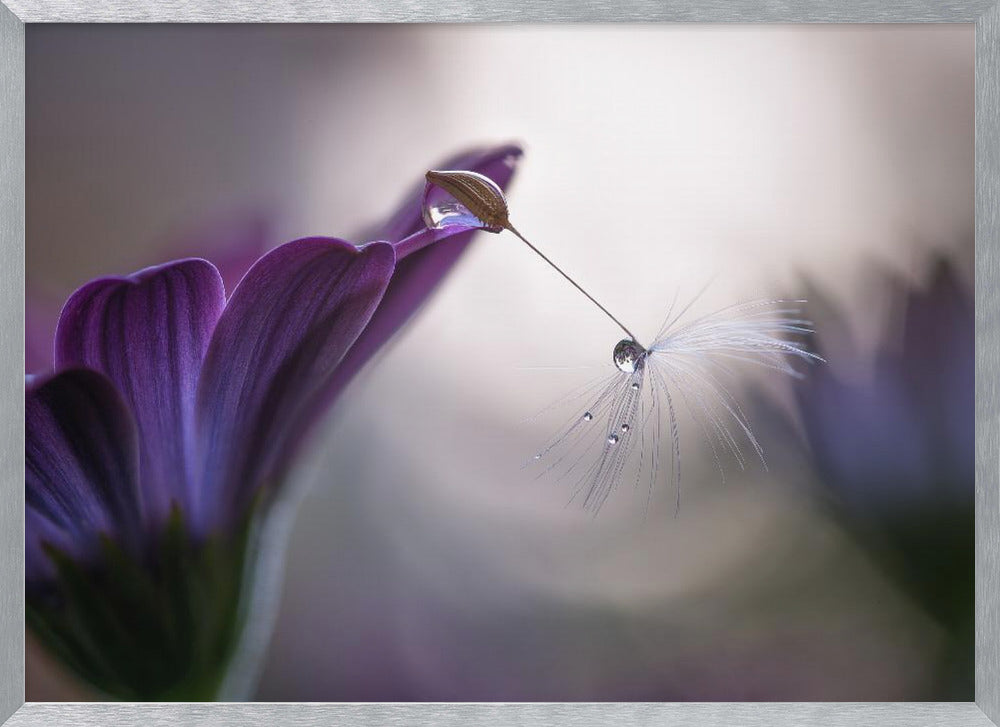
832,162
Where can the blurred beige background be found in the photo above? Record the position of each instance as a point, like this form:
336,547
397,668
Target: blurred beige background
424,564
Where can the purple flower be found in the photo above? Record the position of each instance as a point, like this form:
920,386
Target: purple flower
905,434
897,453
171,421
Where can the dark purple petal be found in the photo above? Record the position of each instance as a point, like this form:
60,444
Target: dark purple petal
148,333
286,328
420,267
81,466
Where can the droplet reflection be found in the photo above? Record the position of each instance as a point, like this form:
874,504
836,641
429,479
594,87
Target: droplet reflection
629,357
450,198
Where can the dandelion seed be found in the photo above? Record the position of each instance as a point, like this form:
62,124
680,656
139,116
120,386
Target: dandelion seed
452,198
687,368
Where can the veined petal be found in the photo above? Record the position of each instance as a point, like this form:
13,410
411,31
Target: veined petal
81,466
286,329
148,333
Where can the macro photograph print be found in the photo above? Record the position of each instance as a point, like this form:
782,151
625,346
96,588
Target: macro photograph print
499,363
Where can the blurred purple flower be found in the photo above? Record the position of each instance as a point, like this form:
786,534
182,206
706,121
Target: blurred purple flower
907,433
898,453
175,414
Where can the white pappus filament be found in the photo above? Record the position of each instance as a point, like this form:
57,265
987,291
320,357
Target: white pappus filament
688,368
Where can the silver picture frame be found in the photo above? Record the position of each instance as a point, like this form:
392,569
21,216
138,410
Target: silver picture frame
984,711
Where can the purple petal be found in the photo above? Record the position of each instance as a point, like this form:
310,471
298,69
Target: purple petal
81,466
286,328
148,333
426,236
419,269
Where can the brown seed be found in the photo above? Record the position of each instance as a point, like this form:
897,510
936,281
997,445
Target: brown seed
477,193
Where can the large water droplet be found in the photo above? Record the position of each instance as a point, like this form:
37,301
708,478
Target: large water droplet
629,356
613,439
463,198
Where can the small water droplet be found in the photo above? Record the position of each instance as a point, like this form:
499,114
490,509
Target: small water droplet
613,439
538,456
635,386
624,427
463,198
588,416
629,356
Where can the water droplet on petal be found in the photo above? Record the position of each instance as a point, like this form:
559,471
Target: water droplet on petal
463,198
624,427
613,439
538,456
629,357
635,386
588,416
